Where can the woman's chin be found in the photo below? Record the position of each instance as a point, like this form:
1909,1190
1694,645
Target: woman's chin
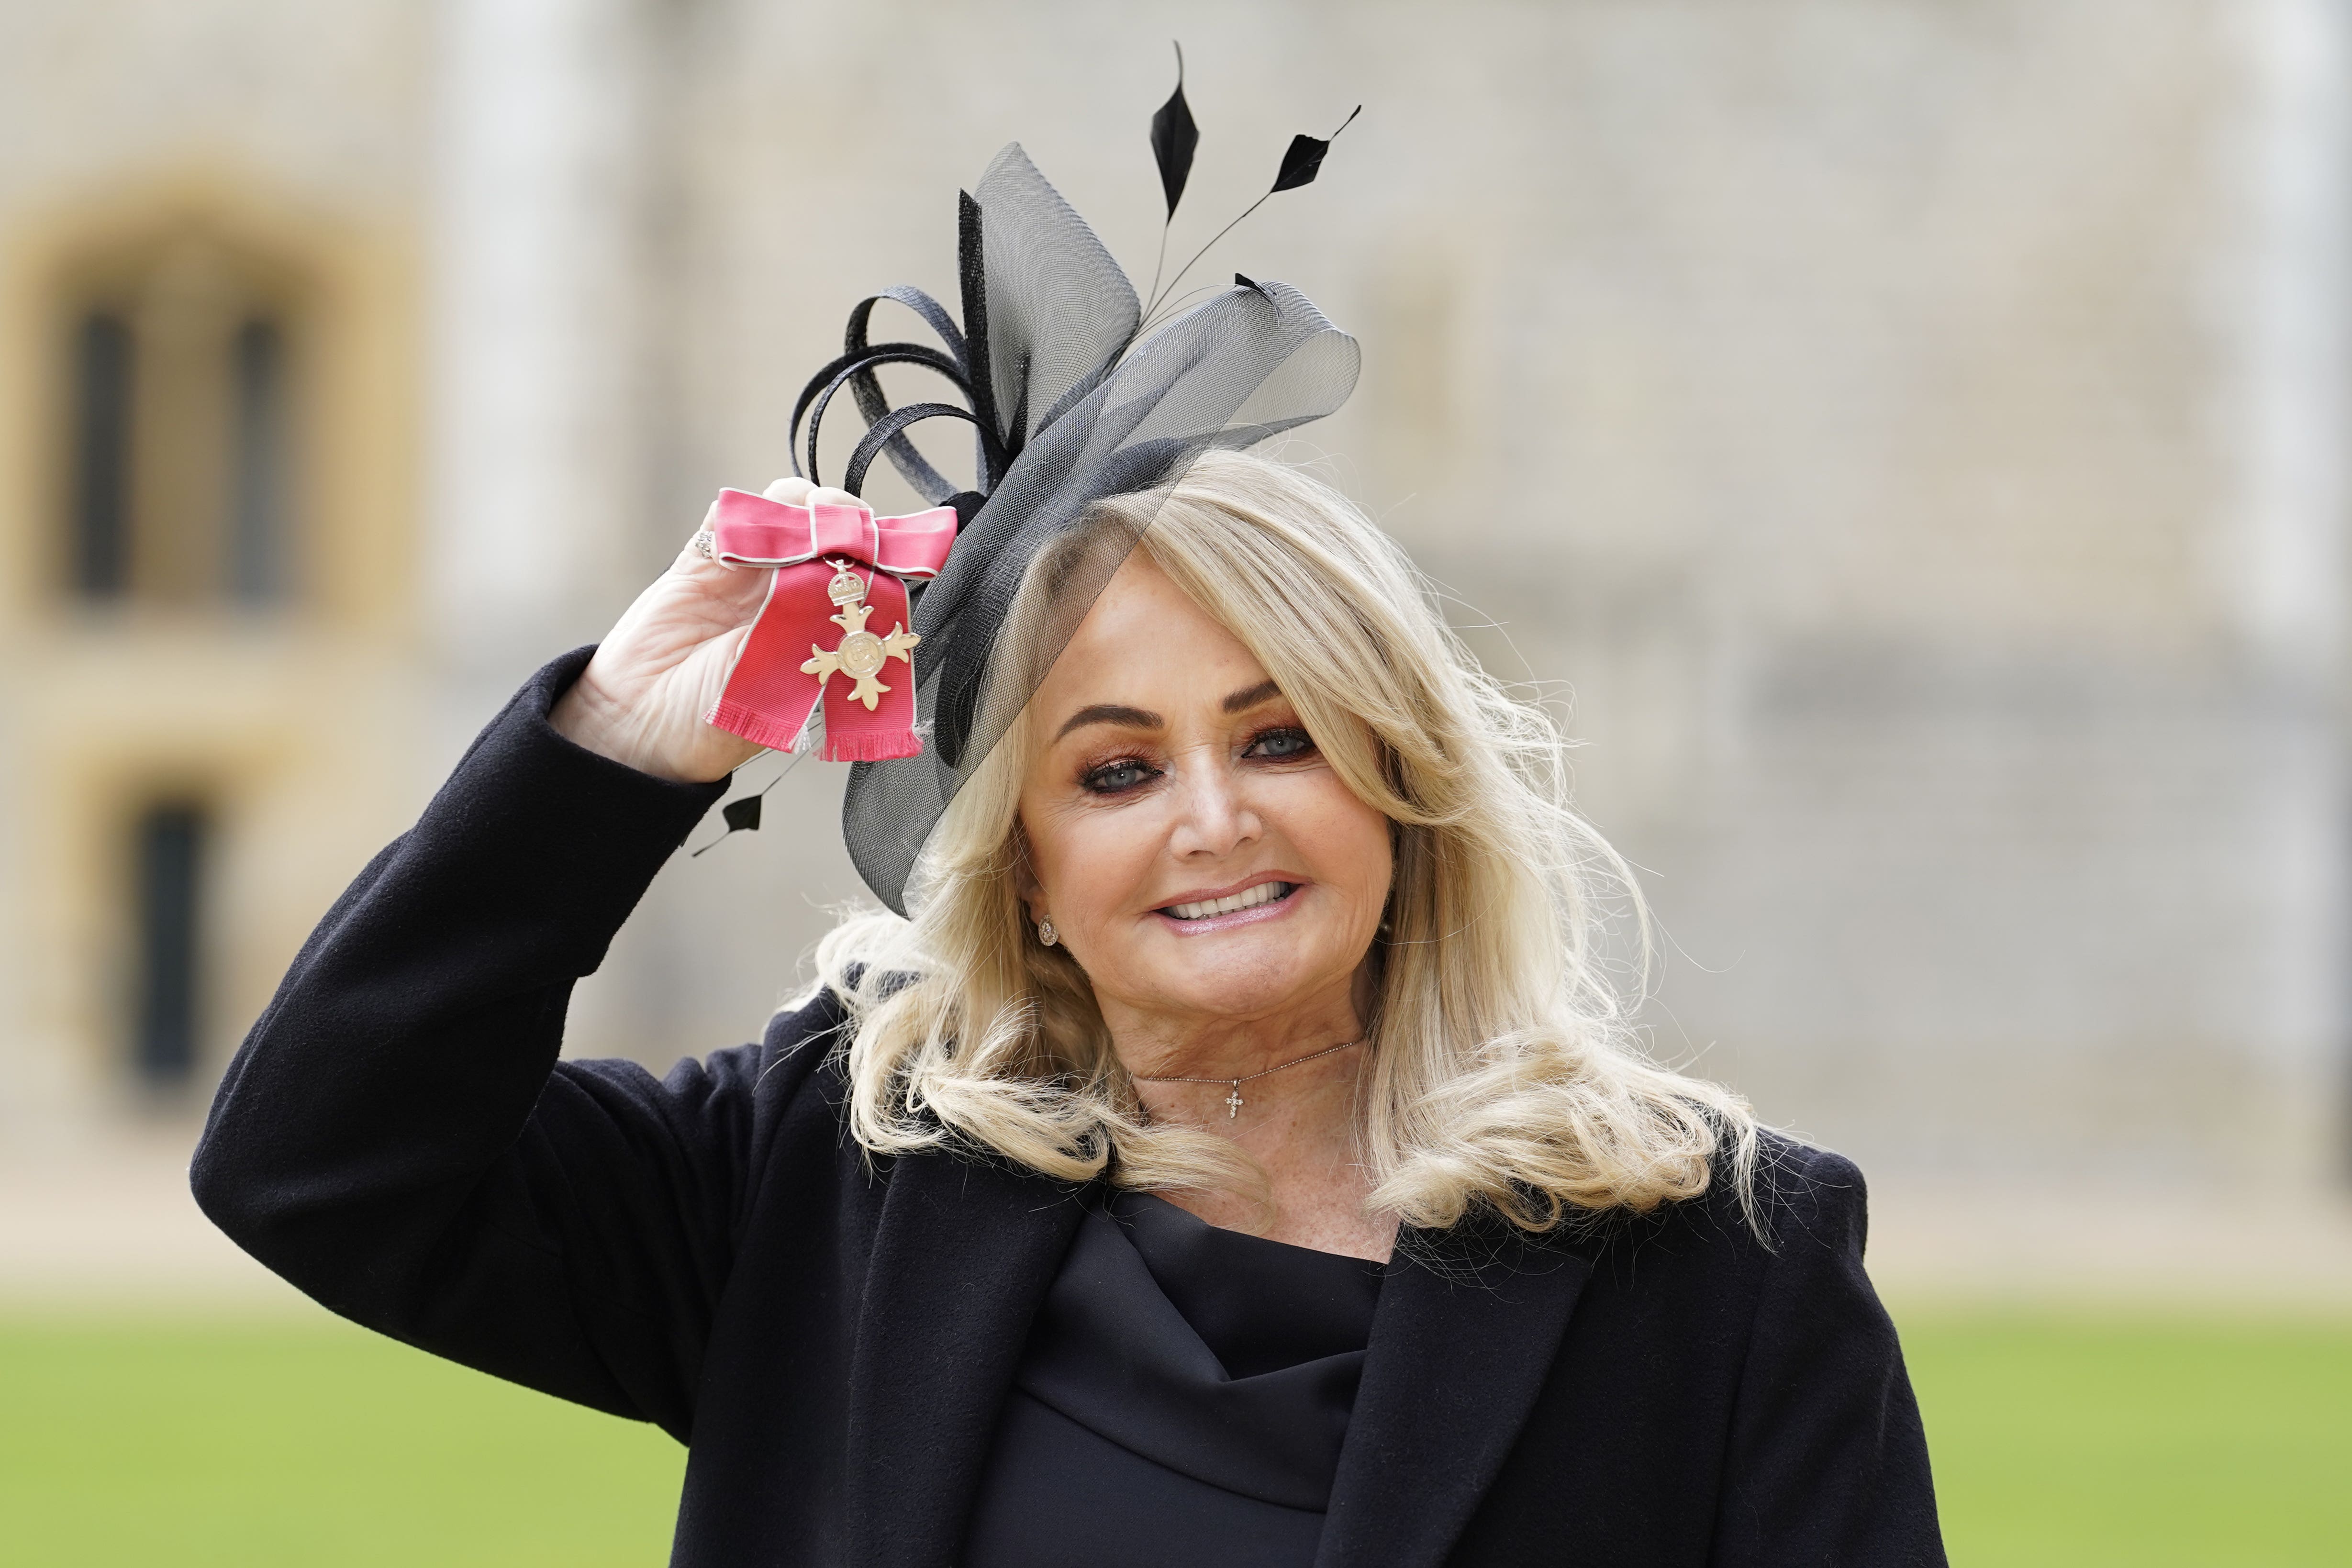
1236,978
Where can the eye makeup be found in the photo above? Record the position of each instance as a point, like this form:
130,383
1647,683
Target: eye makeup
1119,776
1281,742
1125,774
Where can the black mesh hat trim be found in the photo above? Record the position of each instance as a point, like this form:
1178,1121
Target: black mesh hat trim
885,432
852,370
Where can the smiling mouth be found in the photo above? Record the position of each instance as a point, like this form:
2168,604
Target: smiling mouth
1248,898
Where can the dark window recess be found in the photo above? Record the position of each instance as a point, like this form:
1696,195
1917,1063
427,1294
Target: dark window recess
102,502
170,855
257,564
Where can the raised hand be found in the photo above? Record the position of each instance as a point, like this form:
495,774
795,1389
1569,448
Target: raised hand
642,698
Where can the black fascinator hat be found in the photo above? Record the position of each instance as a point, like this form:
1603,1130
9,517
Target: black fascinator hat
1077,394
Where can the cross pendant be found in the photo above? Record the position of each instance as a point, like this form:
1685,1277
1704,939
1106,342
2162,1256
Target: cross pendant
1233,1102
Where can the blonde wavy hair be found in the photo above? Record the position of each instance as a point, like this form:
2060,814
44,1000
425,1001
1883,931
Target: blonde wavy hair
1503,1068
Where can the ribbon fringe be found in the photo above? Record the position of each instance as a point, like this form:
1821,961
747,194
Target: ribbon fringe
849,747
753,725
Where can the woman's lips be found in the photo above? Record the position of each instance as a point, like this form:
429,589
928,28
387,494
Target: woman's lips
1256,915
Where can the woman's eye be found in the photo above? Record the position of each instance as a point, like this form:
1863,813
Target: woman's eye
1116,777
1281,744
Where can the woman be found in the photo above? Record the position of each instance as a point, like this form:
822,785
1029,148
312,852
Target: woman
1239,1155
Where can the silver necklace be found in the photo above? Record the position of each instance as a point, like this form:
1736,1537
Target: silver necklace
1233,1100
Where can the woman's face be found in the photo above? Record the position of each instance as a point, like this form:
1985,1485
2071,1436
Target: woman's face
1195,851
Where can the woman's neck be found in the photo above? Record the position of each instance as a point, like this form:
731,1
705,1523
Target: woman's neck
1293,1112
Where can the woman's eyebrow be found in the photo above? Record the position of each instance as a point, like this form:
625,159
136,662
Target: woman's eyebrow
1242,701
1143,718
1111,713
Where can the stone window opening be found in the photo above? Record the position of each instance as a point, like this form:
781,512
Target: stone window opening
169,845
184,461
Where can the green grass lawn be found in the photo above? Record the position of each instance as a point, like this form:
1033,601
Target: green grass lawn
2057,1440
306,1442
2087,1442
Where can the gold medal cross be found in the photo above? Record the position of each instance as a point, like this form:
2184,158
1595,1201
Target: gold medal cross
861,655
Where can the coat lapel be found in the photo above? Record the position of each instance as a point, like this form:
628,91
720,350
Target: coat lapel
962,1257
1463,1338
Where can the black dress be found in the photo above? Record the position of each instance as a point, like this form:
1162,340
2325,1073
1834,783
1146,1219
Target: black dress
1182,1399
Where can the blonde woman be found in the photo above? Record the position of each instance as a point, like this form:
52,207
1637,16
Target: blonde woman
1238,1155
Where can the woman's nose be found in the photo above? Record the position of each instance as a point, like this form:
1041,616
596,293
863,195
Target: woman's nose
1214,816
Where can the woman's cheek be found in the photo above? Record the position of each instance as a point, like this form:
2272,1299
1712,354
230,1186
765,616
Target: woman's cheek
1103,854
1333,827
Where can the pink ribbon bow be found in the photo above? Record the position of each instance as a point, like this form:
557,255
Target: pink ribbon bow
834,623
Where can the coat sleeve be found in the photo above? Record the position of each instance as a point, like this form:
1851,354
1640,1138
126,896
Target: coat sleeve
398,1139
1828,1463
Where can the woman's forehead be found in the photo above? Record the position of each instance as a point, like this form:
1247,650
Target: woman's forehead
1146,644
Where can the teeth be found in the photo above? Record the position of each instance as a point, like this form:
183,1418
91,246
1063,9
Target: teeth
1264,893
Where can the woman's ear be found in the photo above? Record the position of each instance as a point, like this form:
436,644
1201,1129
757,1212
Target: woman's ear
1025,885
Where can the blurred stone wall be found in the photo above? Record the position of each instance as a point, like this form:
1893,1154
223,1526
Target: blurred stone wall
1901,435
200,148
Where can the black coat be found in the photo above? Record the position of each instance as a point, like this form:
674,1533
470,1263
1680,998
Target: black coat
712,1253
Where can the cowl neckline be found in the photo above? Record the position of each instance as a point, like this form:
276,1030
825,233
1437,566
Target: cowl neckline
1220,1355
1259,1305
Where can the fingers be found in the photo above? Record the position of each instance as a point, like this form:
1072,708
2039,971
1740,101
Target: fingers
798,492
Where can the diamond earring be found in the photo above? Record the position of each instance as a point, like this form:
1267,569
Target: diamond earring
1047,934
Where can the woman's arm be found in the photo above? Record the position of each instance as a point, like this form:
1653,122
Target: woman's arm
1828,1462
397,1137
